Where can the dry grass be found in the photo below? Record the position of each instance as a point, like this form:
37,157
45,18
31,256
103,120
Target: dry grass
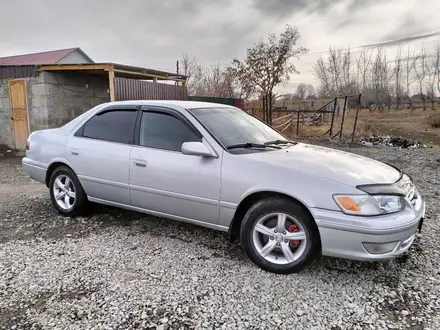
421,125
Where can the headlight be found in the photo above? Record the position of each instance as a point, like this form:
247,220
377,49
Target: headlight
370,205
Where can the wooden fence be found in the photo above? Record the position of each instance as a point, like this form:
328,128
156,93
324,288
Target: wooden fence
134,89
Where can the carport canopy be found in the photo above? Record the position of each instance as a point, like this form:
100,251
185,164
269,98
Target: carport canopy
113,70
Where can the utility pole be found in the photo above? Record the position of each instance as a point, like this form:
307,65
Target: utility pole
177,70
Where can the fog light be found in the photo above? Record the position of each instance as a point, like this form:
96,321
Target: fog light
380,248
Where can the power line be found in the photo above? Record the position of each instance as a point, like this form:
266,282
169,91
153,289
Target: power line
384,43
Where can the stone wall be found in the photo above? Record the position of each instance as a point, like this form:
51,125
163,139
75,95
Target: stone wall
53,99
6,134
36,90
68,95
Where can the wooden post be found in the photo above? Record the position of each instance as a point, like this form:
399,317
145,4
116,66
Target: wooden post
343,117
111,81
155,79
291,124
333,117
356,118
297,123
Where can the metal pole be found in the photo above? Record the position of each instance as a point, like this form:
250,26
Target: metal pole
343,117
291,124
333,117
356,118
297,123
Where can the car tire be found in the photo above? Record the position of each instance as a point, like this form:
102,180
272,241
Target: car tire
259,232
73,200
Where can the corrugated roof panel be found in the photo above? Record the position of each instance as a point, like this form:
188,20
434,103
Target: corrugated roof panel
23,71
50,57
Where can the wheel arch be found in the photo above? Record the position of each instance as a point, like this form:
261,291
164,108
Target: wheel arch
251,199
54,165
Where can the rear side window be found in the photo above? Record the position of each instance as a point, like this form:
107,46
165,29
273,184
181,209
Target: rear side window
112,126
163,131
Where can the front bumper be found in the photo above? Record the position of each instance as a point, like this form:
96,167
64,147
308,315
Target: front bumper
352,237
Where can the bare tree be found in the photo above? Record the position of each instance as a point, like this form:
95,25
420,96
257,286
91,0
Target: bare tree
437,66
310,94
431,69
322,73
347,87
239,86
194,71
398,78
420,70
410,63
335,68
377,79
268,64
301,92
364,64
387,78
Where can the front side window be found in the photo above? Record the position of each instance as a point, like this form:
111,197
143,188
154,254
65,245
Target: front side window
164,131
233,126
112,126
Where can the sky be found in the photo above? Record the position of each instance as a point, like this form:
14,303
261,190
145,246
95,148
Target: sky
156,33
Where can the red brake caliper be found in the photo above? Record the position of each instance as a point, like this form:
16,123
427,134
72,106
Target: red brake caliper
294,228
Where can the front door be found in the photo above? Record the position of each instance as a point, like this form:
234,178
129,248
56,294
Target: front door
17,99
164,180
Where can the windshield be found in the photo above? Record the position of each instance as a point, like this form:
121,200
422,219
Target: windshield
233,126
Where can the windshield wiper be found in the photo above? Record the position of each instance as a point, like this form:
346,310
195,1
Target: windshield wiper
277,142
250,145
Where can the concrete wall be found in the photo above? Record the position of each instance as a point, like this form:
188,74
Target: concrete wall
36,106
68,95
53,99
6,135
36,91
74,58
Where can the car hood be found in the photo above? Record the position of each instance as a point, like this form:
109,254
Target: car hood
335,165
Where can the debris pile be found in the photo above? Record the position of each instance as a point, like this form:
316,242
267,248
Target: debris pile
391,141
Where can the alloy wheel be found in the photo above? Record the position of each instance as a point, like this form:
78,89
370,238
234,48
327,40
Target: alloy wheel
64,192
279,238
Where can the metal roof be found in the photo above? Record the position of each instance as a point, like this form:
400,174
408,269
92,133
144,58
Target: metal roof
120,70
50,57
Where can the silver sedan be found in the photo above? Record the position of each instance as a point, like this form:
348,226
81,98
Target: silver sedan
217,166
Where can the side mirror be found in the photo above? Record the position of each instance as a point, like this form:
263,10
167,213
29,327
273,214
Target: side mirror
195,149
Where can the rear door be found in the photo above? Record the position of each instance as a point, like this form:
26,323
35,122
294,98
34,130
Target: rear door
100,153
163,179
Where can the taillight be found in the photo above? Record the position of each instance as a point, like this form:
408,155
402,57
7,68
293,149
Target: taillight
28,145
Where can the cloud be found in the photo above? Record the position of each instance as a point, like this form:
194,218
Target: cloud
155,33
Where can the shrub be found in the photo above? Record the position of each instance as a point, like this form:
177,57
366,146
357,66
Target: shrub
434,120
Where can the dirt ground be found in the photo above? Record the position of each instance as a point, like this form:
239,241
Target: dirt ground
114,269
410,124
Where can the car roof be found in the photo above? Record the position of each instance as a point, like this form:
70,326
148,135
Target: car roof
183,104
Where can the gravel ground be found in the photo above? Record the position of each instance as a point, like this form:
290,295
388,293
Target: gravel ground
121,270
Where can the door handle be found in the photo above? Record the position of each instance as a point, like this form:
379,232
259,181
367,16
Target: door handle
140,163
74,152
